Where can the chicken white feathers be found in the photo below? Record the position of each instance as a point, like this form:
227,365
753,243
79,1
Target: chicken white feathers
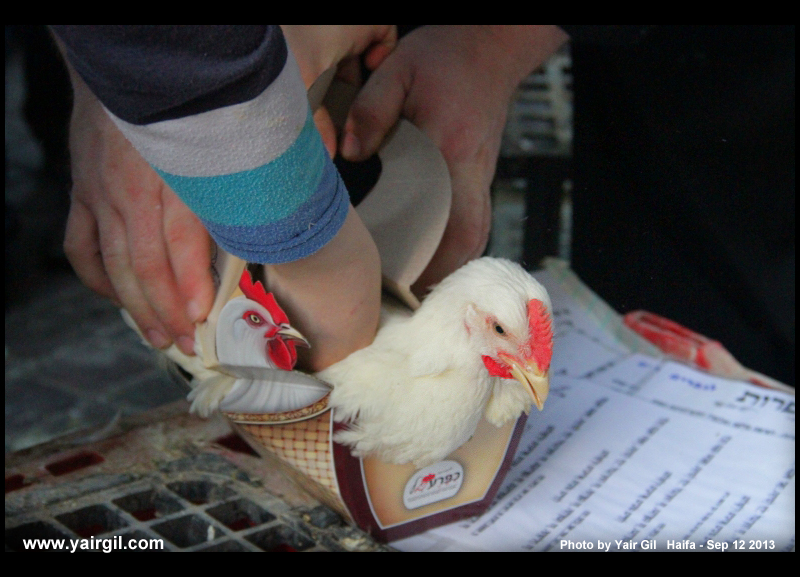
418,392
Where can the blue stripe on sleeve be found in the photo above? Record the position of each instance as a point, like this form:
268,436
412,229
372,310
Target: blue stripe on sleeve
263,195
310,227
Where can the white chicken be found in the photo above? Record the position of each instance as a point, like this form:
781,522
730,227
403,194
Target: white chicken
480,345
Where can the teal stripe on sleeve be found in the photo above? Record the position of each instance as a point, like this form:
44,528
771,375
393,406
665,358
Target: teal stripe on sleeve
262,195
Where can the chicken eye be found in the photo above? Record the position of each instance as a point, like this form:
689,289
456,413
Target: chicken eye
254,318
498,329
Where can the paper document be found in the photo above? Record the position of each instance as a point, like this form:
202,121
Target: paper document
635,452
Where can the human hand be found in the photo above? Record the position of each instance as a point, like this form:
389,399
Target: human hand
455,84
320,47
129,237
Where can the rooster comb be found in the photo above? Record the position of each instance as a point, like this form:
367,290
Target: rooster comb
541,329
255,291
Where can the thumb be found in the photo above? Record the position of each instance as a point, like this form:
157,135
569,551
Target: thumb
373,113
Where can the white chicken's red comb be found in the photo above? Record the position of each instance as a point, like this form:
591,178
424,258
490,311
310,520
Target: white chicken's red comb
256,292
541,330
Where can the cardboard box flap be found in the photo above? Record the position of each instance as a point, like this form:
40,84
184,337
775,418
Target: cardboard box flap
226,270
407,210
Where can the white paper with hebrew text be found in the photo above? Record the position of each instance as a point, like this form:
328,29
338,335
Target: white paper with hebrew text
637,453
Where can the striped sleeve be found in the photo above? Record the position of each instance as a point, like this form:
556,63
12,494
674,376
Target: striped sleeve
244,155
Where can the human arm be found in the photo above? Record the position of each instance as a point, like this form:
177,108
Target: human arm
252,239
332,296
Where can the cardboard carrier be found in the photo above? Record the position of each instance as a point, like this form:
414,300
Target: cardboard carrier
284,414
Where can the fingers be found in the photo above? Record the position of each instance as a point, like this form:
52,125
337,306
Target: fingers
118,264
149,251
374,41
375,111
158,263
131,239
190,256
82,248
383,43
318,47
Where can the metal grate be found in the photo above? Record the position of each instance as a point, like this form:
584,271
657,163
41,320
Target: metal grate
210,496
190,514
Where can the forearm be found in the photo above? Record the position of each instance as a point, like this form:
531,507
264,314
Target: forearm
332,296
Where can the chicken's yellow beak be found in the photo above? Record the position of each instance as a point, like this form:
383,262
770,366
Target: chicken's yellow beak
288,332
535,381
